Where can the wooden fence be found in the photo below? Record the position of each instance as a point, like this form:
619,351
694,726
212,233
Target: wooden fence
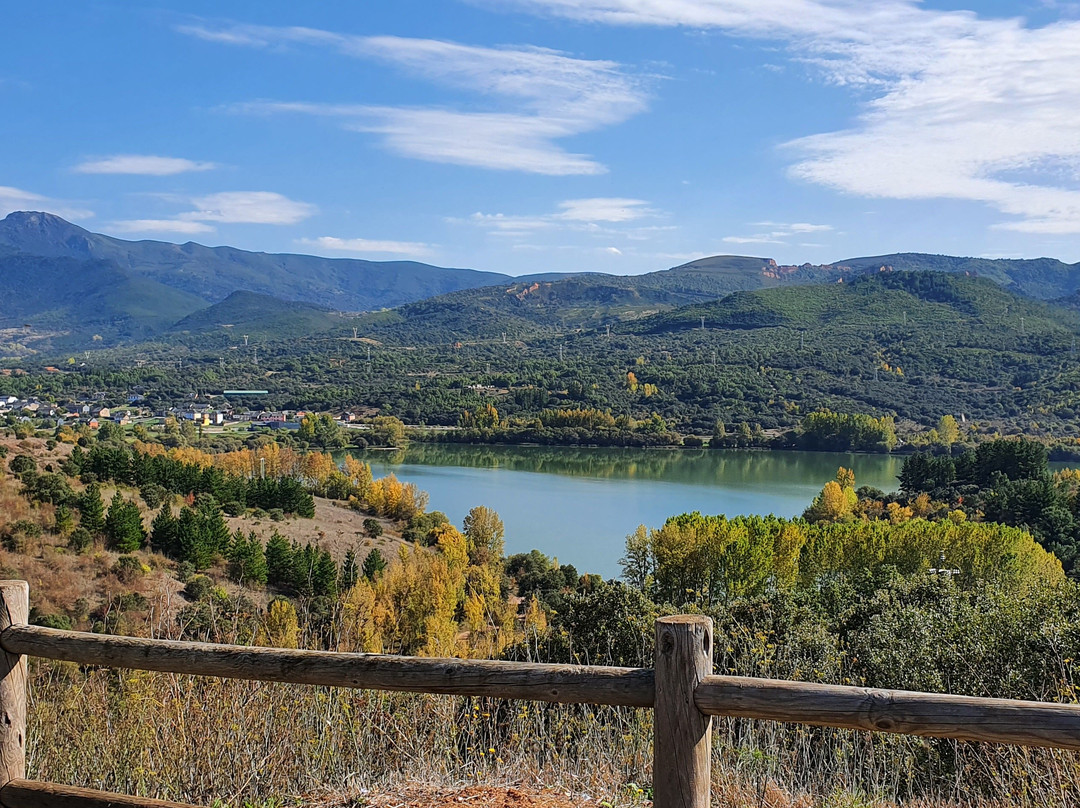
681,691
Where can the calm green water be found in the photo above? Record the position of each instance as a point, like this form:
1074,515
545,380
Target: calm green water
579,504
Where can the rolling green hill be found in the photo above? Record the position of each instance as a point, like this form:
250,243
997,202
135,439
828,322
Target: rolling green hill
1041,278
530,307
73,301
928,300
262,317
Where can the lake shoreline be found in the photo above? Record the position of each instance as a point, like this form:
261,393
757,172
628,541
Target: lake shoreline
903,451
578,503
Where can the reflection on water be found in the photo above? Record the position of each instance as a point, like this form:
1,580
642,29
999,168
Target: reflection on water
578,504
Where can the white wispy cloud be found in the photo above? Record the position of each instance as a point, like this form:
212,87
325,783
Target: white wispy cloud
12,199
363,246
226,207
537,97
779,232
759,239
786,229
595,215
248,207
960,106
158,226
603,209
145,164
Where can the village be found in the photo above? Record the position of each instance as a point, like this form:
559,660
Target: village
95,409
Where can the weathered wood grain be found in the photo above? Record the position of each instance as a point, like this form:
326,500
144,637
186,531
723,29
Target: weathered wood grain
34,794
14,610
937,715
682,734
568,684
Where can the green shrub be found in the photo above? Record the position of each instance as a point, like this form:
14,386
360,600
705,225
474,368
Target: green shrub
19,534
198,588
153,495
60,621
80,540
128,569
20,464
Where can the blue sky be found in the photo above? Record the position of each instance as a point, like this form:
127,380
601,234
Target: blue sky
539,135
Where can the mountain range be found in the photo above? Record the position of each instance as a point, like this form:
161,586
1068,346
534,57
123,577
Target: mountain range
62,286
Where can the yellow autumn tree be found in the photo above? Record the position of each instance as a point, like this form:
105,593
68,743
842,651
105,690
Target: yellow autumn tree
948,431
837,499
359,474
316,467
280,628
362,618
829,506
484,529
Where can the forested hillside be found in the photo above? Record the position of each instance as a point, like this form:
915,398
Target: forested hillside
916,346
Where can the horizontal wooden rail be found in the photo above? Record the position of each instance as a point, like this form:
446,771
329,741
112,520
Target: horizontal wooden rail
35,794
568,684
937,715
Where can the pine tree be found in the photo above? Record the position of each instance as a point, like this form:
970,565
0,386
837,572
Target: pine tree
305,506
192,544
374,565
237,547
350,573
325,575
247,561
279,561
92,510
65,522
124,530
257,569
218,535
76,459
305,560
163,532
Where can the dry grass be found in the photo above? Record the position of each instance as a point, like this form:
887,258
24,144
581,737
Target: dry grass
335,528
197,740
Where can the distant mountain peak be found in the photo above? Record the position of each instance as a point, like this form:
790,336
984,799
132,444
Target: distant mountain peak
46,234
212,273
39,220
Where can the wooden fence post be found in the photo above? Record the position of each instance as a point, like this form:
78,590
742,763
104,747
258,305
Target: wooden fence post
682,735
14,610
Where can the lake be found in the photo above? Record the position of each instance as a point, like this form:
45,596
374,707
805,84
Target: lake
579,504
